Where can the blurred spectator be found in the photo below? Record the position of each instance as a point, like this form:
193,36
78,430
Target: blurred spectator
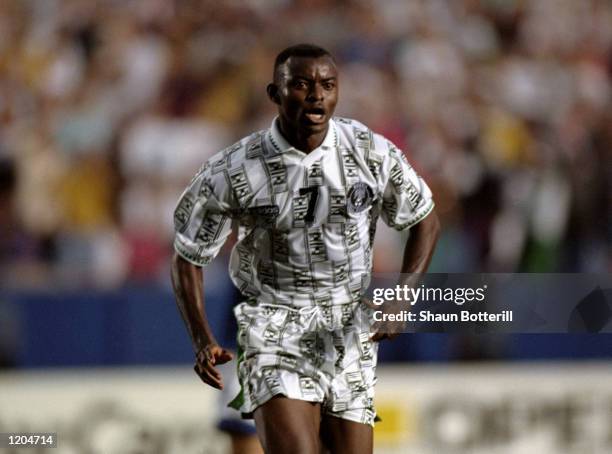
108,108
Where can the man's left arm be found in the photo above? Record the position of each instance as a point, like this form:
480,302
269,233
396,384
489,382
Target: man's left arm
420,245
417,255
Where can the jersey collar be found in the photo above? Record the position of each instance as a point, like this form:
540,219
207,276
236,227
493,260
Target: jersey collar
280,144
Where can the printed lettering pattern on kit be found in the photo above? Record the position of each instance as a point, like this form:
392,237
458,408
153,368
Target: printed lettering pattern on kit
306,221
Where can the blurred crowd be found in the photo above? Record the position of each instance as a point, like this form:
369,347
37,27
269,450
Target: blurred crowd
108,108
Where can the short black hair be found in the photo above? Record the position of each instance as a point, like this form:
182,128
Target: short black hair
300,50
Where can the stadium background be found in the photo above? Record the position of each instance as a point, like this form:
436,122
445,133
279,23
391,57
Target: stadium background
108,108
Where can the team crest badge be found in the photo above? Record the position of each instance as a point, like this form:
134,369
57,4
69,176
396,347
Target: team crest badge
359,197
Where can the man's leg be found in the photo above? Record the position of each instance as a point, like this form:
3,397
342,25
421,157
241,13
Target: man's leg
245,444
341,436
288,426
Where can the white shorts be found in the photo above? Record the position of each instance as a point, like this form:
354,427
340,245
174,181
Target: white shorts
315,354
229,420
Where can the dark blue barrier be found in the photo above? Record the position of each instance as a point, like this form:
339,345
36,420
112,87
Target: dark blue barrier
129,326
140,325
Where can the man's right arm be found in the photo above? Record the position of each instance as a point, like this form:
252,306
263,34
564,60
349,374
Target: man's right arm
187,281
203,222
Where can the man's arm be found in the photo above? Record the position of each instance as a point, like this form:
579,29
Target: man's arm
421,244
417,255
187,281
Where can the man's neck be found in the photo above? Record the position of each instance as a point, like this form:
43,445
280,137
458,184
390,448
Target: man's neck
303,141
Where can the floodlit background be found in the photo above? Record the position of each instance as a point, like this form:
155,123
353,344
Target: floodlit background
108,108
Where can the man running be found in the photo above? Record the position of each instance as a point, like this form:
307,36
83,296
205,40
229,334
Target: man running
306,194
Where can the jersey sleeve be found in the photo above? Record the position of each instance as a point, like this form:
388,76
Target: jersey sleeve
406,198
202,218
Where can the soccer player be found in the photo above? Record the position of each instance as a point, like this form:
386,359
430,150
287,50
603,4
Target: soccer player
305,194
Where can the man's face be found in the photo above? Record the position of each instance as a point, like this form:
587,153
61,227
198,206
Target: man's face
307,93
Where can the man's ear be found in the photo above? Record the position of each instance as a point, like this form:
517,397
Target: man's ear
272,90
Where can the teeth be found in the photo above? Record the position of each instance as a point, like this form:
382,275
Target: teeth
315,116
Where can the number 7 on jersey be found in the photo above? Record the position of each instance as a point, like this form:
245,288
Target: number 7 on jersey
313,196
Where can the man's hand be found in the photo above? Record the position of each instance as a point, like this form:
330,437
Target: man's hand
387,329
187,281
206,360
377,337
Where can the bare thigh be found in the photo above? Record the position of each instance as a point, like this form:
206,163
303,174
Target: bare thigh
288,426
341,436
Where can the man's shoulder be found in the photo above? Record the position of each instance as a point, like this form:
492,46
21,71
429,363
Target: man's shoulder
355,133
248,147
349,124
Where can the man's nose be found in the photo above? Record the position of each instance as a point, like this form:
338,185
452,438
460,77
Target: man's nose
316,92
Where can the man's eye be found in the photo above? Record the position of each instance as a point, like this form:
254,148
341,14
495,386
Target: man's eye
300,84
329,85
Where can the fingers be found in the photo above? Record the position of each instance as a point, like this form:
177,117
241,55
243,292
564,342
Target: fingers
378,336
386,329
206,359
369,303
209,375
223,356
215,355
382,331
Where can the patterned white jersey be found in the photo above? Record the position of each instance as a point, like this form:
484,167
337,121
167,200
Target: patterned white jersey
306,221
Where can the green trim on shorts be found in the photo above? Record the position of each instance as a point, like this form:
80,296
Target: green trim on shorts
238,401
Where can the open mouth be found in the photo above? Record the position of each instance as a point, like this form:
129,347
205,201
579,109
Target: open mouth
315,115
